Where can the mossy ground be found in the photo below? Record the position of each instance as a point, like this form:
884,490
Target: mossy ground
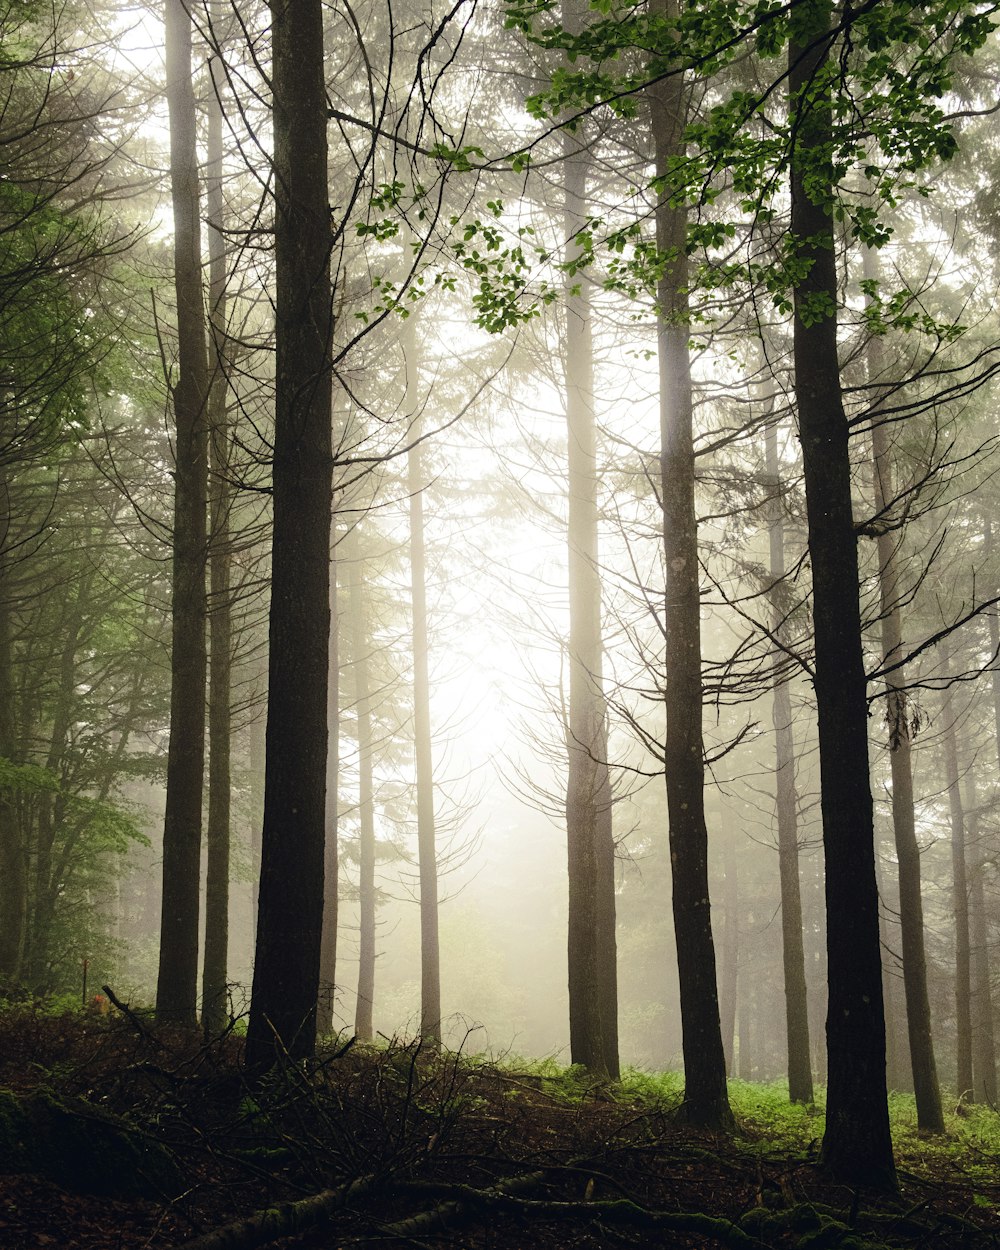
158,1139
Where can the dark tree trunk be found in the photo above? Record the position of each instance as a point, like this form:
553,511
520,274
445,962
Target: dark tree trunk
930,1116
857,1147
13,866
290,915
331,850
592,949
706,1101
984,1055
800,1086
960,888
729,975
214,1012
177,981
257,758
430,954
363,1022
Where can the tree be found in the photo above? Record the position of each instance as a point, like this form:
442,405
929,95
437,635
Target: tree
706,1101
290,915
960,884
856,1143
177,980
214,974
800,1086
930,1116
592,954
430,955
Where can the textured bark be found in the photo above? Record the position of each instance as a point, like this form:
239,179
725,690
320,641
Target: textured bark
930,1116
729,973
331,854
430,953
257,758
592,949
706,1101
13,866
290,912
984,1055
857,1147
959,888
800,1086
214,1012
177,980
363,1023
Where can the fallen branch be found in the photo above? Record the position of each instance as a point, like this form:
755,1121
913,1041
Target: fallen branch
130,1015
281,1220
464,1202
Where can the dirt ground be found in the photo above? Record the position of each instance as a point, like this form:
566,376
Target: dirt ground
122,1137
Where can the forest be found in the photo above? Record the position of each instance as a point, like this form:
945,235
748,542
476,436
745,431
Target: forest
499,624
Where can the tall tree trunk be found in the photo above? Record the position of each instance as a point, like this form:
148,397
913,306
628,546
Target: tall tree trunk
177,981
258,754
430,954
960,888
331,853
13,865
729,973
592,962
984,1055
930,1116
216,959
857,1147
800,1085
290,915
363,1023
706,1101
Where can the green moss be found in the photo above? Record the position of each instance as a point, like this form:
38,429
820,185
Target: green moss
79,1146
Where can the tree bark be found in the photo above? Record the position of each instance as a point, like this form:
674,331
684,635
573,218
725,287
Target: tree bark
363,1022
729,975
984,1055
960,889
706,1101
800,1085
177,981
930,1116
430,954
331,850
592,949
290,914
857,1147
214,1012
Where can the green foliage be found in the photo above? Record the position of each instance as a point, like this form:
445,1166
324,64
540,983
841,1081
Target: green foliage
104,827
882,88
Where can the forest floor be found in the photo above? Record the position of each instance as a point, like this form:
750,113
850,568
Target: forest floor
116,1136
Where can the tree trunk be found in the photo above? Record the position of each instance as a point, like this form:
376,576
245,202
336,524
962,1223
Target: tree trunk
729,976
257,764
800,1086
857,1147
177,981
984,1056
215,978
13,866
430,954
960,889
290,915
592,949
331,850
363,1022
930,1116
706,1101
